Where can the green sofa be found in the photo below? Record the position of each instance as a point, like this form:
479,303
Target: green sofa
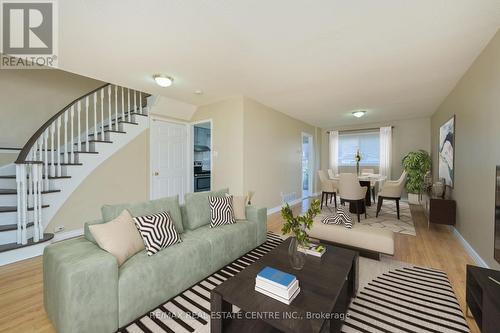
86,291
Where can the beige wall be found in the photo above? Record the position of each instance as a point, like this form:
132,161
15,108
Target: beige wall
31,97
124,177
476,103
272,153
407,135
227,142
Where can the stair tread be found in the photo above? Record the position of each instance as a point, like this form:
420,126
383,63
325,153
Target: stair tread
13,246
7,191
82,152
109,131
94,141
11,209
50,177
10,227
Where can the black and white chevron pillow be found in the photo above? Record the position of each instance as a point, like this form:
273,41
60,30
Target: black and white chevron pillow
341,216
221,211
157,231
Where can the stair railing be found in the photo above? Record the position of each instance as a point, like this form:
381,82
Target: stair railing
53,146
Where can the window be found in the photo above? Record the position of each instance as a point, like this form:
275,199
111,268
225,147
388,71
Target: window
368,144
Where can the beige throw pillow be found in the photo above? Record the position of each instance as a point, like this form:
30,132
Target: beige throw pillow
119,237
239,207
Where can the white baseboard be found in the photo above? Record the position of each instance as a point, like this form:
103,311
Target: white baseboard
469,249
31,251
276,209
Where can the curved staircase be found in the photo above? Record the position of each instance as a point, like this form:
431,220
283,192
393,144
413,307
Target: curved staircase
57,158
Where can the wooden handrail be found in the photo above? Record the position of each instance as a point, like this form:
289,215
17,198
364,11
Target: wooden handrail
21,159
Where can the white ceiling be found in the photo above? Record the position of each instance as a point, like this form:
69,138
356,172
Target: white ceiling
314,60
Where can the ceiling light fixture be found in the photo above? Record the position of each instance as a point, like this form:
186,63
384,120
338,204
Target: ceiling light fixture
198,92
163,80
358,114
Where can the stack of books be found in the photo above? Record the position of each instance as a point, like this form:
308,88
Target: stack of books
279,285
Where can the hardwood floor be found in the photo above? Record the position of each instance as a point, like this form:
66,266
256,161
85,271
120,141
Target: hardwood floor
21,296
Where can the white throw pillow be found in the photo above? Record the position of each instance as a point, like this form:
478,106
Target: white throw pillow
118,237
239,207
157,231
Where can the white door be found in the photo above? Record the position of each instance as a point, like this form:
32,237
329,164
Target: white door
168,159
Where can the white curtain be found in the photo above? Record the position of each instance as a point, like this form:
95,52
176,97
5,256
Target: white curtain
385,151
334,151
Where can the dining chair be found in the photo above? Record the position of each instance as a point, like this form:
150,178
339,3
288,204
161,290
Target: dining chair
392,190
331,174
329,187
351,191
373,184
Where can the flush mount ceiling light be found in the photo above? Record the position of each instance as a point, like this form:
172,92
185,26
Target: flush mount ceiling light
358,114
163,80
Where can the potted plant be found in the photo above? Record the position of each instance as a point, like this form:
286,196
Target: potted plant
416,165
298,226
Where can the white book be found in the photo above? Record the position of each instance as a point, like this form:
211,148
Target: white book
280,286
285,293
281,299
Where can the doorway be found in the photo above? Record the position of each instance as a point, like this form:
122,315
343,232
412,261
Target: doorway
169,157
307,165
202,156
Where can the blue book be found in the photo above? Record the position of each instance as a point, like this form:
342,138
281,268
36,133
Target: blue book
276,277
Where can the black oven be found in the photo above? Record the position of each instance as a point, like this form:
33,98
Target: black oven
202,182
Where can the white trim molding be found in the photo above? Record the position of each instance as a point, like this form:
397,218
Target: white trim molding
469,249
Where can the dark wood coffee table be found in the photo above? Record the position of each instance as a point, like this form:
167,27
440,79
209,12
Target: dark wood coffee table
327,286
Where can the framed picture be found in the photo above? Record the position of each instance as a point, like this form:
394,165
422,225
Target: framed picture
447,152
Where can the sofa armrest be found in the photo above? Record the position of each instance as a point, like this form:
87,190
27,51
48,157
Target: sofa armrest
80,287
259,216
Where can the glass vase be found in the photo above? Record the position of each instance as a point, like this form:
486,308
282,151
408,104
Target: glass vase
297,258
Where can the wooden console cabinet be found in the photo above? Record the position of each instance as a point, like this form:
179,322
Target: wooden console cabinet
439,210
483,297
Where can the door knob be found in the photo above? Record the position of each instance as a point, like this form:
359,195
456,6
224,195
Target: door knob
157,173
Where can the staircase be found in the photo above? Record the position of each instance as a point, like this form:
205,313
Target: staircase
57,158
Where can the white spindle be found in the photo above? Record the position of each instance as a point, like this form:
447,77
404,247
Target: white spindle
46,159
135,101
123,105
24,202
86,119
140,102
29,201
116,108
109,107
52,147
72,147
95,121
66,141
128,104
19,202
59,152
102,114
40,226
79,137
34,177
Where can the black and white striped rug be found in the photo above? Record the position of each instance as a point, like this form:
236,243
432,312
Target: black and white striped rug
409,299
190,310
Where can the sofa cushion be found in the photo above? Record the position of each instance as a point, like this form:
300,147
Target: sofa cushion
157,231
227,242
146,282
86,230
118,237
197,208
239,207
169,204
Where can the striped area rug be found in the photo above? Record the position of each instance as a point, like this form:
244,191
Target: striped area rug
190,310
409,299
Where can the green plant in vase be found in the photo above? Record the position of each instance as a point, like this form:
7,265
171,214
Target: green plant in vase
357,158
298,226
